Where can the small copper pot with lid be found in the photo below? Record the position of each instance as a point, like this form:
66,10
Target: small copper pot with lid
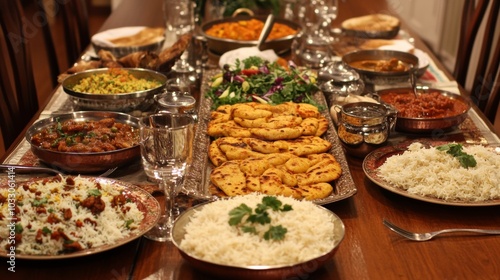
364,126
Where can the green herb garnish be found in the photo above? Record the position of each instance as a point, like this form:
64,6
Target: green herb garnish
94,192
260,216
128,223
46,230
455,150
39,202
18,229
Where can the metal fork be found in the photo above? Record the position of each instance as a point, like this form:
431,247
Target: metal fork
429,235
39,169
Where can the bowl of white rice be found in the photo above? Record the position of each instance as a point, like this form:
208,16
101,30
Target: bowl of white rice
208,242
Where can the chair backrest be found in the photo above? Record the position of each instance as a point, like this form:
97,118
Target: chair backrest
479,33
76,20
18,99
72,15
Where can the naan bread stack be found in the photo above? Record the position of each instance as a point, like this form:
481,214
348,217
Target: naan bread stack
271,149
267,122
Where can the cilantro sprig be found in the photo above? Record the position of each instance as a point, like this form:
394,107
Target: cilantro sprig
259,215
456,150
255,79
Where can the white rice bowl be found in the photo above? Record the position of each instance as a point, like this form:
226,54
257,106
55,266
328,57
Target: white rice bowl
209,236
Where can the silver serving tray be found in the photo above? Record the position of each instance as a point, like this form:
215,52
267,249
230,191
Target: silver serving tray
198,178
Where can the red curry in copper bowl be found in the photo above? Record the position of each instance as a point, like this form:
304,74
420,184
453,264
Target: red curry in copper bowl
429,110
85,142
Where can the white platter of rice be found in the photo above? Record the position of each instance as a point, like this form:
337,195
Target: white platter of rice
210,244
417,169
66,217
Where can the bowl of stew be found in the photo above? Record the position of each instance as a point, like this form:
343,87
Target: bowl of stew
227,34
381,67
85,141
430,110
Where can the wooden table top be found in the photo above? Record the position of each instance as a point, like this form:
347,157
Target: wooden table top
368,251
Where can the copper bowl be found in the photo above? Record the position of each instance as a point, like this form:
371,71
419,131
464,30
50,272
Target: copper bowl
381,78
220,45
261,272
428,125
73,162
122,102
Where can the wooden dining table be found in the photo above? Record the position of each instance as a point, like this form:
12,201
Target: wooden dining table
369,250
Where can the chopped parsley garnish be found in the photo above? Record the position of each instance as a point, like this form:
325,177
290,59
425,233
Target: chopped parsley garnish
39,202
128,223
94,192
18,229
455,150
261,216
46,230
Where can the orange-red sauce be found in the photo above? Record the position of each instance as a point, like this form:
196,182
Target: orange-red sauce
427,105
86,136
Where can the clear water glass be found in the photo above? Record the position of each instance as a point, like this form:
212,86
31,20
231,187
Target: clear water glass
179,19
166,152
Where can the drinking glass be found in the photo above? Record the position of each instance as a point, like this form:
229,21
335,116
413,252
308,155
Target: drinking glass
327,11
175,101
166,151
312,50
179,20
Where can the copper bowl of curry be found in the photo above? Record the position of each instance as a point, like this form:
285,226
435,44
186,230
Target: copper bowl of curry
85,142
114,89
227,34
429,111
381,67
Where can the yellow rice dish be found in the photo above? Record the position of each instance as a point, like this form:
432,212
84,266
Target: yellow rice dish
114,81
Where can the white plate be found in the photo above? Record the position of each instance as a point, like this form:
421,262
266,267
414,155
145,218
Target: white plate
103,38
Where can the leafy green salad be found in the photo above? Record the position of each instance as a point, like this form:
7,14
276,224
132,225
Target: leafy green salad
256,80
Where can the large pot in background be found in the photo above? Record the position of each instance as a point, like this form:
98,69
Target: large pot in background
220,46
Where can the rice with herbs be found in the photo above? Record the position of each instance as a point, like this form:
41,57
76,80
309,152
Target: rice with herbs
426,171
210,237
114,81
54,216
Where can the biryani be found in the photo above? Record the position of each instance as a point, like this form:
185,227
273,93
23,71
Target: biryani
66,214
306,233
428,171
114,81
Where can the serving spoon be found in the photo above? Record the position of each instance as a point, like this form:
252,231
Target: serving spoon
413,79
268,25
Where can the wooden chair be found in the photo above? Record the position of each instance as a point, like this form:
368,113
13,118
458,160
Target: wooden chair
18,99
72,15
76,20
484,90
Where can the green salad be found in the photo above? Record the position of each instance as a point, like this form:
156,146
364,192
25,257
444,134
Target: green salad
256,80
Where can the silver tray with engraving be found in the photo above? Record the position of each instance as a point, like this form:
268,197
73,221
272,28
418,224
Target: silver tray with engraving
198,178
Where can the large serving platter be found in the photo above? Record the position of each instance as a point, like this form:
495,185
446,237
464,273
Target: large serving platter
145,202
198,179
376,158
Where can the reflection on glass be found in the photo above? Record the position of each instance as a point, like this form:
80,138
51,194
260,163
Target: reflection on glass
166,151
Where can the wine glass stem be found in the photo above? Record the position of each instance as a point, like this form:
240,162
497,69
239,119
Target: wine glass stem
169,186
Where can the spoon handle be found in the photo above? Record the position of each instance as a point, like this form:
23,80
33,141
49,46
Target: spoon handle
268,25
